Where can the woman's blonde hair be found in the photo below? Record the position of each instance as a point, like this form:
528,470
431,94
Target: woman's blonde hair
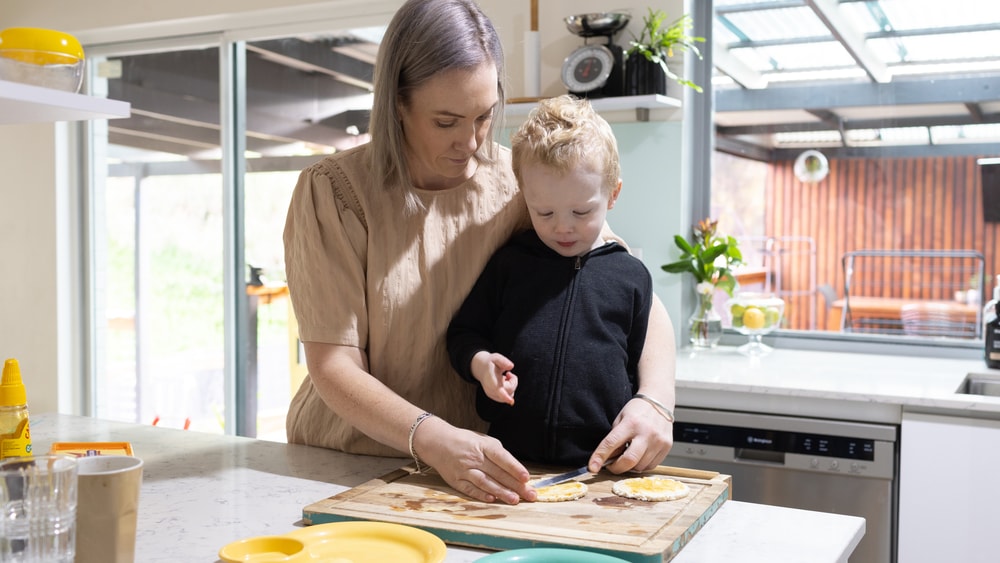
424,38
564,133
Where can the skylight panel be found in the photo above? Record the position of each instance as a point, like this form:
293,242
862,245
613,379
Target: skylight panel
945,68
925,14
860,17
723,34
953,47
784,23
980,132
807,137
857,136
829,54
905,135
815,75
886,137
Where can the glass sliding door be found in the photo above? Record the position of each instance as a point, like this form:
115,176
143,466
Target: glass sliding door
158,262
165,226
307,96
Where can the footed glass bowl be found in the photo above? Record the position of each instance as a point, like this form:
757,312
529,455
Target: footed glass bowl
755,314
41,57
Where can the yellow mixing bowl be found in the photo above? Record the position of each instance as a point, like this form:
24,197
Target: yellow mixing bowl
40,46
42,57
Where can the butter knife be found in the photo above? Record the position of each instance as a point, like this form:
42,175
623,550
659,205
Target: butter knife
561,478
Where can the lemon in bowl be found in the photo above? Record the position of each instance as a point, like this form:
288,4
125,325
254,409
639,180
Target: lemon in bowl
41,57
755,314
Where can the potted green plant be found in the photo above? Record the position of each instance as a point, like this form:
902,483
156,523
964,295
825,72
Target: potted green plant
710,260
646,69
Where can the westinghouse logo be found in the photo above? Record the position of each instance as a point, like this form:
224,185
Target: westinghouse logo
754,440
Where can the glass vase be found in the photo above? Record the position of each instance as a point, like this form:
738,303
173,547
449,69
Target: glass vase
705,324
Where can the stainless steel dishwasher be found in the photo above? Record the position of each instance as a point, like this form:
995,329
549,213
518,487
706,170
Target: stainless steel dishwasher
808,463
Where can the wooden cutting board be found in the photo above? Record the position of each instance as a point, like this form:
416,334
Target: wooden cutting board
601,521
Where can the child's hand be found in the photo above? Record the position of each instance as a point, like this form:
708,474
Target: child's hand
493,372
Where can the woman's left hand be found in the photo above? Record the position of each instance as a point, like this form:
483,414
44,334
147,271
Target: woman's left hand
641,434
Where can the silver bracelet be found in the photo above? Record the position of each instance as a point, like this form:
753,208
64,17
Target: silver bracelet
660,407
413,430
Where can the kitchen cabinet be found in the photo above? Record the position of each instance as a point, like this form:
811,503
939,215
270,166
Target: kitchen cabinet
947,494
24,103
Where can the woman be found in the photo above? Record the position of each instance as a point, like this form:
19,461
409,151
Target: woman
383,242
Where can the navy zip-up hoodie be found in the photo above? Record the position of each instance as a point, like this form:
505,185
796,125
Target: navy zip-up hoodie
574,328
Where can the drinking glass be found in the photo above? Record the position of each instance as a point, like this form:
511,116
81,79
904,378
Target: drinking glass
38,504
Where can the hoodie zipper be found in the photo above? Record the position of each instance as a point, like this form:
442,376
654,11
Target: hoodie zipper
562,344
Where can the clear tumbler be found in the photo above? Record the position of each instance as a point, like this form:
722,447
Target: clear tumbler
38,502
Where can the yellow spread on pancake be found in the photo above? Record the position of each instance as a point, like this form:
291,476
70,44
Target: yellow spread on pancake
650,488
570,490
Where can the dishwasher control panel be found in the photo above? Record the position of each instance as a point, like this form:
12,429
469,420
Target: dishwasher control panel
803,444
775,440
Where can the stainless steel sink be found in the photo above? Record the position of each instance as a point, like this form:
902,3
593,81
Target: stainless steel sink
980,384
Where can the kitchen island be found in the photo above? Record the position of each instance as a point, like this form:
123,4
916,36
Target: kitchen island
202,491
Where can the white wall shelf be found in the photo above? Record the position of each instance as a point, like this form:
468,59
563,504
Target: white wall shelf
641,104
24,103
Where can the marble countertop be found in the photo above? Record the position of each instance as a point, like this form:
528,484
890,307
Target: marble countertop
202,491
853,385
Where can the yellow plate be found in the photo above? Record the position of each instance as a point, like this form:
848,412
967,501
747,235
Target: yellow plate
340,542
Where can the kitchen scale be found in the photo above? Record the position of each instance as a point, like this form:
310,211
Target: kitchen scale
595,70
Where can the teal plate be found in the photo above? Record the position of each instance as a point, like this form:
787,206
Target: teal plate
549,555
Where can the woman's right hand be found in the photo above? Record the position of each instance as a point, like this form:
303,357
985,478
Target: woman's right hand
473,464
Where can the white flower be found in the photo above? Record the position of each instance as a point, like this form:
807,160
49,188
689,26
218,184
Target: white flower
704,288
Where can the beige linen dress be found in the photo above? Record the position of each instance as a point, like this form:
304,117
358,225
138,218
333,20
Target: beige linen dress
361,274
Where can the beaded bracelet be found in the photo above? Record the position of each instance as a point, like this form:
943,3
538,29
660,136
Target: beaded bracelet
413,430
660,407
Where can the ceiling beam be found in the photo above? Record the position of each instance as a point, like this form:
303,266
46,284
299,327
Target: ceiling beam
128,138
213,166
828,117
743,149
833,120
976,112
900,151
263,119
731,66
317,56
297,95
922,90
153,133
726,9
945,30
882,123
828,11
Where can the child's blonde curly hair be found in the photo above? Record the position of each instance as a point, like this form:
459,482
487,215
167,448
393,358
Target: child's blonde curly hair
565,133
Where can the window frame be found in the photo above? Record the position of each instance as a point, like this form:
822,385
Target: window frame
699,117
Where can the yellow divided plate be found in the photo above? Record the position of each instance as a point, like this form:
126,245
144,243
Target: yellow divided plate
340,542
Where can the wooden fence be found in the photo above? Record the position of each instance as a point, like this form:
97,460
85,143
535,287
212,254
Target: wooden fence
889,204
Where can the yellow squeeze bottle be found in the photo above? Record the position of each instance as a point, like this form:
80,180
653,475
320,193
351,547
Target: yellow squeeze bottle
15,436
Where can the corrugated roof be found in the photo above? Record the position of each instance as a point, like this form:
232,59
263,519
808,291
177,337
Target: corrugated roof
816,43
